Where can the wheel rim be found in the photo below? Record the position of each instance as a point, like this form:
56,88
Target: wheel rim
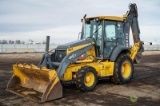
126,69
89,79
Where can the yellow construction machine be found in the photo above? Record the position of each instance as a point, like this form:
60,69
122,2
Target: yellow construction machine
103,50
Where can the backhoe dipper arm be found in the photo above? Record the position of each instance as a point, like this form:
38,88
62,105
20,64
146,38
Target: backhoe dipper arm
131,20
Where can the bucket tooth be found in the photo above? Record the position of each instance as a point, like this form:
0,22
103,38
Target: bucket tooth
33,66
26,66
20,65
43,68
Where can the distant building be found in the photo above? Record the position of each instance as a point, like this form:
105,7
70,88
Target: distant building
35,42
151,43
147,43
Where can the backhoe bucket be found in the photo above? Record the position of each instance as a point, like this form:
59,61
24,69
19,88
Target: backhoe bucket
37,84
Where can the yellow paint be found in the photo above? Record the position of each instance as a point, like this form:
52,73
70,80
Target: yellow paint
124,16
126,69
72,49
89,79
68,75
29,79
84,61
33,77
114,18
134,50
56,80
103,69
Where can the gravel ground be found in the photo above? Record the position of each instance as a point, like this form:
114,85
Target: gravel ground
145,85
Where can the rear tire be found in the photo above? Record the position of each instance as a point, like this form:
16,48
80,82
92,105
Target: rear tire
123,70
86,79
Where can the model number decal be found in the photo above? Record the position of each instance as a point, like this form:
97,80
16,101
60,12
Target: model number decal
72,56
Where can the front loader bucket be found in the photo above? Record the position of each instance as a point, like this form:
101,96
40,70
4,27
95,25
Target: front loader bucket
37,84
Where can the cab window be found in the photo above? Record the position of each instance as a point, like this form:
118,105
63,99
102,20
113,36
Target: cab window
110,31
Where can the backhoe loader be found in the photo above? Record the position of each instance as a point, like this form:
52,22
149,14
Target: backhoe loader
103,50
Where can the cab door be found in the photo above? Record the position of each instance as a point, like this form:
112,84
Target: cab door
109,37
113,36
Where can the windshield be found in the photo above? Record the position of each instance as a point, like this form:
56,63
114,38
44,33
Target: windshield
92,29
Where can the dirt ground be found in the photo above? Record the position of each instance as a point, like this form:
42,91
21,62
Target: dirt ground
145,86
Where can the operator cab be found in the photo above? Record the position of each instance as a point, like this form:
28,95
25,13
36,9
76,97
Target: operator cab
107,31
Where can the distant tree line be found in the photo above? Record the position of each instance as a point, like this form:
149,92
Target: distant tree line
20,42
11,42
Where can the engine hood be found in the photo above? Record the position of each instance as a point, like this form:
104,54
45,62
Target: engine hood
75,43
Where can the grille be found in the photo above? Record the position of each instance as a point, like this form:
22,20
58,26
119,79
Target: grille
60,54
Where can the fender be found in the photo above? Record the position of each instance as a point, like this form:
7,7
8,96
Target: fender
119,49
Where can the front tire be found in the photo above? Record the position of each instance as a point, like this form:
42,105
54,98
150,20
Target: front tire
123,70
86,79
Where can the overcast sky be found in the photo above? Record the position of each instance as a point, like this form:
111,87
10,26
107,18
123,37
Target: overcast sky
35,19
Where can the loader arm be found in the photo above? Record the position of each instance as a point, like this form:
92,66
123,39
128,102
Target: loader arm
131,20
72,57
